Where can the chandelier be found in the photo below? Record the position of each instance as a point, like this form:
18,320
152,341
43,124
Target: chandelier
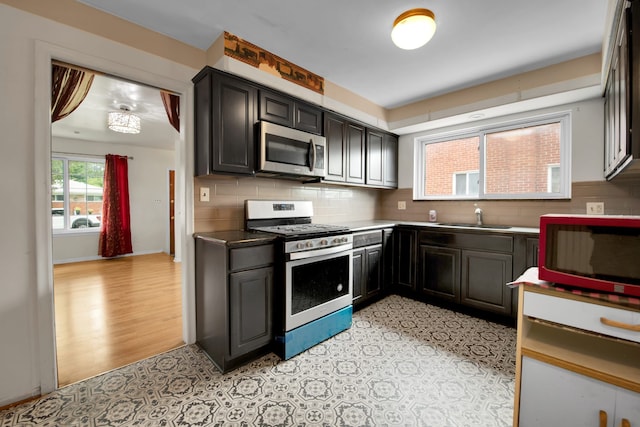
123,121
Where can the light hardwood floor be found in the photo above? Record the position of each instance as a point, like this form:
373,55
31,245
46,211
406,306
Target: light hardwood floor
113,312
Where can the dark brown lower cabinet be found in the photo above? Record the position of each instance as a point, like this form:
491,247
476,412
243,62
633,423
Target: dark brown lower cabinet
371,272
483,281
405,241
234,301
470,268
440,272
250,302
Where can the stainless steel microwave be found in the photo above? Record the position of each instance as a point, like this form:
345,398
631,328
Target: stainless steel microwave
290,152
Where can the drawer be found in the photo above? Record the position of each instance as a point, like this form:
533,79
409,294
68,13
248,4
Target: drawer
251,257
482,241
367,238
583,315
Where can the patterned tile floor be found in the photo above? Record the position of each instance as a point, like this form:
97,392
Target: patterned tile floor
403,363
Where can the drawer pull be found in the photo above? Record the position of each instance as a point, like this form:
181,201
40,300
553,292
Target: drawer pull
621,325
625,423
603,418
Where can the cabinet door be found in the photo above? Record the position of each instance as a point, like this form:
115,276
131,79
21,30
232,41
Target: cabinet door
358,274
250,313
335,134
390,161
533,248
405,263
355,153
551,396
276,108
234,118
387,256
307,117
373,267
484,275
202,123
627,408
374,158
440,272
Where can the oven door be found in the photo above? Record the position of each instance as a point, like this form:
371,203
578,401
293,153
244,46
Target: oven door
317,286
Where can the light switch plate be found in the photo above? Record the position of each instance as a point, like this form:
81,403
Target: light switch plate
402,205
204,194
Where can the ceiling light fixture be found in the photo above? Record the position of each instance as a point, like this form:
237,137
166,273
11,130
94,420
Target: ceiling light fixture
123,121
413,28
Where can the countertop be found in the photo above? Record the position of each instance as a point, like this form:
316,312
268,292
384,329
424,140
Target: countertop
356,226
236,238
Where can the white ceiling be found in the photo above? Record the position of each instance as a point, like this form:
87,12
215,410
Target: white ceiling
349,44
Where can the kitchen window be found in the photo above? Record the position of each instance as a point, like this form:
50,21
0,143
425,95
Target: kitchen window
527,159
466,183
76,193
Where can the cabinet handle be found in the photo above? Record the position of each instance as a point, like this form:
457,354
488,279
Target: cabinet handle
621,325
625,423
603,418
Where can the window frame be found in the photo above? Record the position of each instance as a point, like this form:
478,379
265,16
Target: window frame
466,174
65,193
489,127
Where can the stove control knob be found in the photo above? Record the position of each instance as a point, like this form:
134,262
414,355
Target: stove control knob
300,245
324,242
336,241
309,244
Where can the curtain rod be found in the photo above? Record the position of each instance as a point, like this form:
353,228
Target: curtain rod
97,156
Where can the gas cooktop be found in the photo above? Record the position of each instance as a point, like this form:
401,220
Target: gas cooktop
300,229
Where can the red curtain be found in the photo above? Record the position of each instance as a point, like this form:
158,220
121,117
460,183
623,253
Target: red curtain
172,107
69,87
115,233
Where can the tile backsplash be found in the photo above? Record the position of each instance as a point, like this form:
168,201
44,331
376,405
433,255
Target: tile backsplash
225,209
620,198
334,204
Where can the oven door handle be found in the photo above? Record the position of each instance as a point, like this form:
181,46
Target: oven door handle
319,252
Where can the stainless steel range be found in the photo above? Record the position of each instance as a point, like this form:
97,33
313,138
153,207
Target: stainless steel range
314,281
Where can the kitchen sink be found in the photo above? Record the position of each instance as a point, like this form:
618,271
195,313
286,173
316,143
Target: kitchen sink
460,224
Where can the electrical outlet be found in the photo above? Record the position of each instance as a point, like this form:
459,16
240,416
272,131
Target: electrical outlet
402,205
204,194
595,208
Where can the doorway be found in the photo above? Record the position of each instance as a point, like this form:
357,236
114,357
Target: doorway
106,310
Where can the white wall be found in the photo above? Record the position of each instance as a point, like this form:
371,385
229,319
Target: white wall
27,358
587,150
148,199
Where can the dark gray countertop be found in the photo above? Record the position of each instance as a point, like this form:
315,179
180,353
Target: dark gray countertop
236,238
357,226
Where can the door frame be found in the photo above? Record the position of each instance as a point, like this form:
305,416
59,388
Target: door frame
177,79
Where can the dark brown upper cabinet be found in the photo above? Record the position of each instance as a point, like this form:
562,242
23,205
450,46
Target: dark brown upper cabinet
226,110
382,159
360,155
345,150
293,113
622,95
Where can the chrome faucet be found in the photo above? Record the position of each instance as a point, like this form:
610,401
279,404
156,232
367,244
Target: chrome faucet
478,213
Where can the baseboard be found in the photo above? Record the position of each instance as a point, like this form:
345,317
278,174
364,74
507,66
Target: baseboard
10,404
98,257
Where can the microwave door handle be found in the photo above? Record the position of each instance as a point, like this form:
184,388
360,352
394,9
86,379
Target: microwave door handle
312,152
